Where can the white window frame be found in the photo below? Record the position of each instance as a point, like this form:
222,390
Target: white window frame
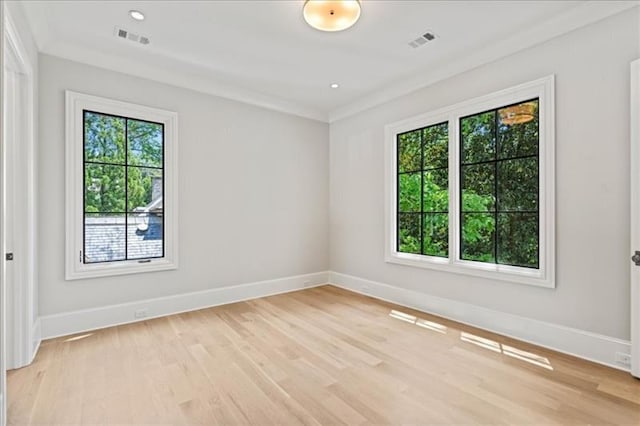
544,276
76,103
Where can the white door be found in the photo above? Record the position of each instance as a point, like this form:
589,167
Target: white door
635,218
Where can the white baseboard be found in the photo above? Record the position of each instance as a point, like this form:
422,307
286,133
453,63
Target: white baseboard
579,343
91,319
582,344
36,338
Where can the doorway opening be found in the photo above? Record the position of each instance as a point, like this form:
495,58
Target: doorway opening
18,310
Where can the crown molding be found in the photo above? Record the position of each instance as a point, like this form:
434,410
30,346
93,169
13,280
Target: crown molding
160,68
580,16
196,77
169,71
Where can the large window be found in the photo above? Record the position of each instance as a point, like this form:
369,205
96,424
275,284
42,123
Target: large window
121,215
472,187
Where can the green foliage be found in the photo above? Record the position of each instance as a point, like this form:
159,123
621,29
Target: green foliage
423,197
436,146
105,142
409,233
518,239
409,152
140,186
436,193
518,185
478,137
436,229
104,138
409,192
144,143
499,200
436,234
104,188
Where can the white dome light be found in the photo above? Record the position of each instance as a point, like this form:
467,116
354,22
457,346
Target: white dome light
331,15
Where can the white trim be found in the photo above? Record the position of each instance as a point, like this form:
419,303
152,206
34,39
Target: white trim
91,319
24,203
585,14
635,216
75,104
582,344
207,82
175,72
36,340
3,285
544,276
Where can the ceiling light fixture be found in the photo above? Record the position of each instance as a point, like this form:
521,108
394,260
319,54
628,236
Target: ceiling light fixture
137,15
334,85
331,15
518,114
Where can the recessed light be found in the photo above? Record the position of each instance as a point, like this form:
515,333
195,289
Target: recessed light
137,15
334,85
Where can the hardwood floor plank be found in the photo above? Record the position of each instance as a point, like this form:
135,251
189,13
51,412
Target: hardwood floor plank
314,357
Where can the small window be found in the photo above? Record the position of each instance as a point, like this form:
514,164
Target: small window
471,187
121,212
123,188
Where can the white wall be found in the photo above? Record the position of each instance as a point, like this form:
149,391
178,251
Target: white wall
592,179
253,191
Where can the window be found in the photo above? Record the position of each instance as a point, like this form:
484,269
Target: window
470,187
423,191
121,188
499,185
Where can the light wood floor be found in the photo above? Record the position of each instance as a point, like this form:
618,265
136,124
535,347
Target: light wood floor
318,356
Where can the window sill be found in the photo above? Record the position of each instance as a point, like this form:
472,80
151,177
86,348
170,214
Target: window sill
119,268
512,274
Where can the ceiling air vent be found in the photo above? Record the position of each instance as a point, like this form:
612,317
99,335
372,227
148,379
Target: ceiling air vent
133,37
423,39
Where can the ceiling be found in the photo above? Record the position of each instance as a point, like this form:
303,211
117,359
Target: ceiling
262,52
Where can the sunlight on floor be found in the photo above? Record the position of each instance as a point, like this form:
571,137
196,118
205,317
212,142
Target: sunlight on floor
430,325
510,351
482,342
529,357
82,336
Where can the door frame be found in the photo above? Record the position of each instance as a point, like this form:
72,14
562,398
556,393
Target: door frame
23,321
635,216
3,367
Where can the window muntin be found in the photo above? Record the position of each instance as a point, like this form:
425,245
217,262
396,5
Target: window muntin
499,185
423,191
